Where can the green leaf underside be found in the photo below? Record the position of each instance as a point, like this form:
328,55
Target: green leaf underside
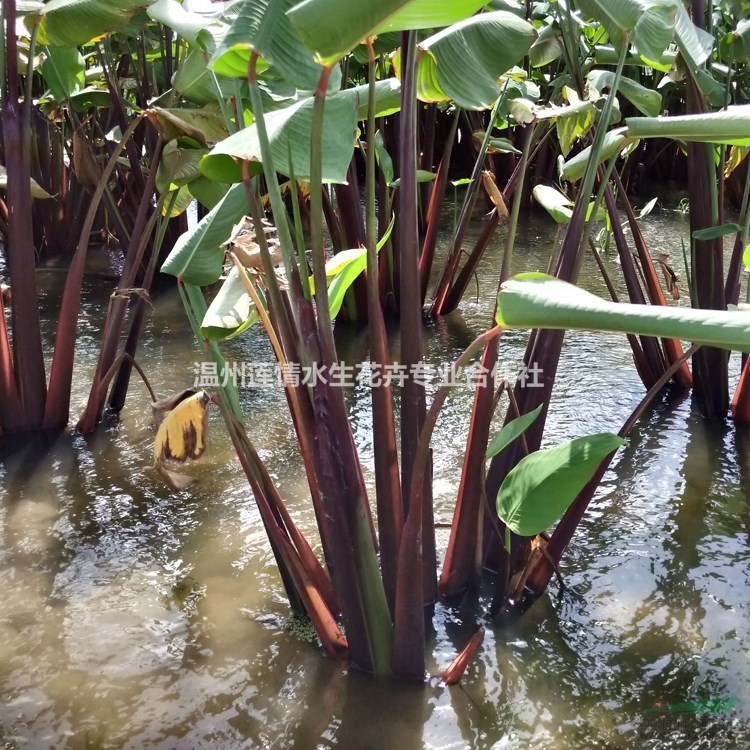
264,27
535,300
511,431
463,62
231,312
289,133
542,486
730,126
198,254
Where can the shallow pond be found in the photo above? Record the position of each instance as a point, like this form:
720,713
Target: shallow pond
134,618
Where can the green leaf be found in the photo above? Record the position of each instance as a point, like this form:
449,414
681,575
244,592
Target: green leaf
422,176
646,100
231,312
535,300
464,61
84,99
188,23
198,253
63,71
289,134
548,46
650,26
68,23
178,166
713,233
193,80
331,28
746,257
263,26
557,205
511,431
730,126
574,169
543,485
605,54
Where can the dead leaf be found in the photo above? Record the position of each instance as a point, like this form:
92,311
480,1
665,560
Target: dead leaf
496,195
182,433
671,279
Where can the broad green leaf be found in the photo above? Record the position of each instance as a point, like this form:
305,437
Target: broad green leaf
177,201
289,133
746,257
208,192
548,46
231,312
730,126
574,168
430,14
501,146
263,26
557,205
178,166
207,120
331,28
464,61
511,431
543,485
188,23
37,191
646,100
576,125
605,54
713,233
535,300
649,26
84,99
193,80
68,23
63,71
198,253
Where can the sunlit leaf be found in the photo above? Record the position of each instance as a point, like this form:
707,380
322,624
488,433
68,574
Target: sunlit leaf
541,487
511,431
535,300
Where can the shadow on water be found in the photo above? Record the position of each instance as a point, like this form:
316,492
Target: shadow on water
133,618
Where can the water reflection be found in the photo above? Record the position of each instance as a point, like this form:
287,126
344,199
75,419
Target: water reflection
134,618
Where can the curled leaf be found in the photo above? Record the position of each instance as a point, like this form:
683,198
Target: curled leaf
182,432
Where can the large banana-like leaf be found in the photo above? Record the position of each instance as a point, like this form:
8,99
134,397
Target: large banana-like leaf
331,28
730,126
188,23
68,23
464,61
289,134
262,26
231,312
644,99
63,71
198,253
193,80
649,26
535,300
574,169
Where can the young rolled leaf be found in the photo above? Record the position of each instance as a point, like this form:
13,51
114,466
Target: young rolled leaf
511,431
535,300
541,487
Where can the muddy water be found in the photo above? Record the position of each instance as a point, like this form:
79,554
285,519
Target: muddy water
133,618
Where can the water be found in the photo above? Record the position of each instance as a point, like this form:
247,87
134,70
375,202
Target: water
133,618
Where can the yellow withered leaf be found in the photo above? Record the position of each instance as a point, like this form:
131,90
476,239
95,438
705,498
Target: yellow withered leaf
182,433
